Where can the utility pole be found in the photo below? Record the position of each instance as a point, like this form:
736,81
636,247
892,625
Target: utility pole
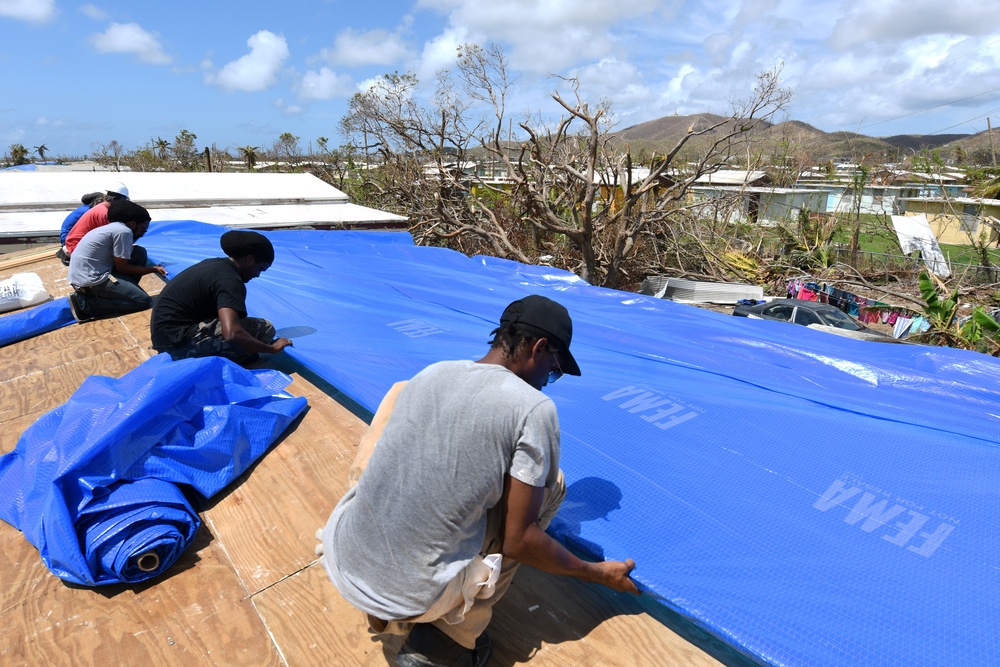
993,150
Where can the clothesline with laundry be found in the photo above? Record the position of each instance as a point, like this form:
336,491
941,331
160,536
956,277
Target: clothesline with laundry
868,311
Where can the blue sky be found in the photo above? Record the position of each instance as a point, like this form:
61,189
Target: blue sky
241,73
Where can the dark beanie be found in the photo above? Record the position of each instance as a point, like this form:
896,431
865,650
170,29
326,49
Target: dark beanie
124,210
237,243
92,198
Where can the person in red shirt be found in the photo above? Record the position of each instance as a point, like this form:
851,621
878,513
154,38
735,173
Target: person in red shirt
95,217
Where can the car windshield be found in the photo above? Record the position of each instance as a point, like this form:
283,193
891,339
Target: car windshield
836,318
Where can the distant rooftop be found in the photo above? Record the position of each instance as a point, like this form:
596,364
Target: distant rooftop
34,204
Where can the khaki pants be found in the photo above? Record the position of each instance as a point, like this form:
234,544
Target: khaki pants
465,607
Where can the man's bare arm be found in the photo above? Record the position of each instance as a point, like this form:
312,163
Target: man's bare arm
526,543
236,335
122,266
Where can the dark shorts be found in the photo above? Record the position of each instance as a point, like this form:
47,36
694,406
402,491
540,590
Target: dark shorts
208,341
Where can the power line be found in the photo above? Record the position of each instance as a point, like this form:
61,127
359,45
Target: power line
977,117
915,76
937,106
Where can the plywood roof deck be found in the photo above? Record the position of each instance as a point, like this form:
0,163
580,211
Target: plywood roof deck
250,590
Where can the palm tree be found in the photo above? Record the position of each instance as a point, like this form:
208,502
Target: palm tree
41,151
161,146
18,154
250,155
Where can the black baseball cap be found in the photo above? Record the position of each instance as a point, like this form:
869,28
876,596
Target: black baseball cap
546,318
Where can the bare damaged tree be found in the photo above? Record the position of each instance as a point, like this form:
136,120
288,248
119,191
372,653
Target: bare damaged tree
108,155
417,162
566,189
583,186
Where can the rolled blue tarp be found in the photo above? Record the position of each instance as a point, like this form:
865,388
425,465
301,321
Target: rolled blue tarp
137,530
103,485
44,317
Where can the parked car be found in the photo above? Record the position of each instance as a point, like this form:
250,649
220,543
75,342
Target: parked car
799,311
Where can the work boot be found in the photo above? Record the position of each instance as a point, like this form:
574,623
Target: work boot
429,647
76,308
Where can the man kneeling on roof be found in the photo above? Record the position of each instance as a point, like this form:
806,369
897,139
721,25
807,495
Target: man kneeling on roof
105,267
89,201
456,481
96,216
202,311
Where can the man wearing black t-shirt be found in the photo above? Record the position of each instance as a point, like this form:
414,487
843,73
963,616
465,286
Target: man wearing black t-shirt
202,311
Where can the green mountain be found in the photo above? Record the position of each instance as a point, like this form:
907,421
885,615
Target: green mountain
793,137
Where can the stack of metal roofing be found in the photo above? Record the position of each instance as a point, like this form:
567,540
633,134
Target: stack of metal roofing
694,291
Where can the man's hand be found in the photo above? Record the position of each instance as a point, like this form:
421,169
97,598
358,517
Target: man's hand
526,543
158,268
280,344
615,574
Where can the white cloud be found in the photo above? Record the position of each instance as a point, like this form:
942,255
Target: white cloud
616,80
44,121
35,11
893,20
131,38
753,10
440,53
325,84
374,47
93,12
547,36
288,109
258,69
368,84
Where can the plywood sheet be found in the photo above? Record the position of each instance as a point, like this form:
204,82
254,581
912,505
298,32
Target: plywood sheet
312,625
551,620
70,344
11,430
195,615
269,520
543,620
45,389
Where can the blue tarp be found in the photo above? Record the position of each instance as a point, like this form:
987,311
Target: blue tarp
34,321
99,484
810,499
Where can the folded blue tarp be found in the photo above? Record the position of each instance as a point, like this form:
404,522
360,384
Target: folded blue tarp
99,483
810,499
45,317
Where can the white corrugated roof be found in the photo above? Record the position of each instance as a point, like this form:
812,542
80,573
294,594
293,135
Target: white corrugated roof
37,189
47,223
730,177
35,204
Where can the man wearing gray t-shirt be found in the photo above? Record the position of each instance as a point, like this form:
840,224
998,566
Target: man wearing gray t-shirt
460,479
105,267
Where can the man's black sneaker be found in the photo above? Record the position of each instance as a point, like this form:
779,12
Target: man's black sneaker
74,307
429,647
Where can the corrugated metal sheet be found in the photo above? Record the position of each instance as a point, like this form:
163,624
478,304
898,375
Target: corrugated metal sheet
731,177
34,205
41,190
694,291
